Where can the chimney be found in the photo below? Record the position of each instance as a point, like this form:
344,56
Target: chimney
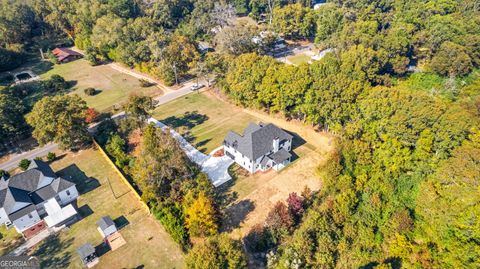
276,144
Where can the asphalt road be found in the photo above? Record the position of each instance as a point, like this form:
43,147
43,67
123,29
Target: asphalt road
42,151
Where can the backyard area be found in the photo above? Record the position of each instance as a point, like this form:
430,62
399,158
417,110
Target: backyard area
205,120
103,193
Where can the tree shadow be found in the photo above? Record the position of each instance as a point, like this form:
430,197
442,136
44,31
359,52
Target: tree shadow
83,183
200,145
189,120
235,214
52,252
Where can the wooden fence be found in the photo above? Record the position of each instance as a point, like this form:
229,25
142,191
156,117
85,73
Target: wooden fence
122,176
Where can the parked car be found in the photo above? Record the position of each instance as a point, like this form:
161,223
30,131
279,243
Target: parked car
196,87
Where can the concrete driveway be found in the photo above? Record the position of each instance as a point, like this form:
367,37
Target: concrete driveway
215,167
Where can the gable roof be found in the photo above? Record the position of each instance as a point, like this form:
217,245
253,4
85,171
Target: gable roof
36,185
22,212
257,139
105,222
280,156
63,53
85,251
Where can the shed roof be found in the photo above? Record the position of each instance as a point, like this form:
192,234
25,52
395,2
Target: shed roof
105,222
85,251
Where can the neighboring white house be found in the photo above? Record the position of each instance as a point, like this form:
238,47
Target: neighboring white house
261,147
36,199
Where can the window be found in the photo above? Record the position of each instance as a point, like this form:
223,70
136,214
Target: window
68,192
30,215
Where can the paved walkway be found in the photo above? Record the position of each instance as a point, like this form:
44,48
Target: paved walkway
31,242
215,167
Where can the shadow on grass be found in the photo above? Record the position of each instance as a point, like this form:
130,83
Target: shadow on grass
121,222
235,214
52,252
84,184
102,249
189,120
85,211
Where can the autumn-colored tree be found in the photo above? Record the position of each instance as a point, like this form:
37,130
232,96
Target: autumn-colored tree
91,115
139,106
295,206
200,216
279,221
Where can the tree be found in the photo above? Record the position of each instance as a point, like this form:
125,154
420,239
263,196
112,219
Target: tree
452,60
219,252
116,148
12,122
279,221
51,156
237,39
139,106
294,21
295,206
200,216
59,119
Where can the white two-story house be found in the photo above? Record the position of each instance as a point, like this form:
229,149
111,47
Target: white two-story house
261,147
36,199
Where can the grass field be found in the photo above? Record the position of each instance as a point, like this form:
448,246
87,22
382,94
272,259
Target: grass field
114,86
9,240
247,199
299,59
203,119
103,193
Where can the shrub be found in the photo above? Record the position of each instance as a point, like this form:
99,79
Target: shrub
52,58
24,164
90,91
38,158
259,239
145,83
51,156
172,219
4,173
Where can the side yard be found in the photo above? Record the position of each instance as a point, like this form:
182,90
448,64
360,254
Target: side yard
103,193
205,120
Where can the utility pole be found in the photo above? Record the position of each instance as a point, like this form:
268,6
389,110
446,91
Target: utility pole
175,71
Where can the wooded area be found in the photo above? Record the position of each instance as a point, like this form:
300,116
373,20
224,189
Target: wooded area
400,89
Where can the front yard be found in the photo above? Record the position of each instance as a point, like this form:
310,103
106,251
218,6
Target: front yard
247,199
103,193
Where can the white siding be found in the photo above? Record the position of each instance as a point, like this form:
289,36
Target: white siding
26,221
3,216
243,161
68,195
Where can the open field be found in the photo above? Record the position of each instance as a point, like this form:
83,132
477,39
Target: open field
103,193
113,85
299,59
202,119
248,198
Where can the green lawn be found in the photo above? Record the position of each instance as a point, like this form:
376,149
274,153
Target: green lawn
9,240
114,86
299,59
103,193
203,119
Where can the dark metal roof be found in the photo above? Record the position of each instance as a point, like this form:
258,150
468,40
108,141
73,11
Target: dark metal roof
85,251
105,222
257,140
22,212
280,156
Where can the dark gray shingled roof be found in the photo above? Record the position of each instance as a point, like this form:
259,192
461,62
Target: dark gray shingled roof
30,179
85,251
257,140
23,188
105,222
280,156
22,212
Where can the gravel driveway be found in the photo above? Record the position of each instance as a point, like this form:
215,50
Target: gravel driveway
215,167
